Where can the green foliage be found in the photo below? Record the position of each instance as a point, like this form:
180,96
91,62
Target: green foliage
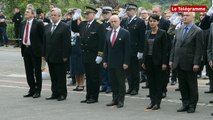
10,31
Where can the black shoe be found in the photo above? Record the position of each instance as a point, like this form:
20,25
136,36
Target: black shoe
173,82
128,91
61,97
164,95
150,106
36,95
183,109
145,87
156,107
134,92
90,101
191,110
84,101
210,101
178,89
147,95
212,114
80,88
29,95
103,90
52,98
210,91
108,91
111,104
120,105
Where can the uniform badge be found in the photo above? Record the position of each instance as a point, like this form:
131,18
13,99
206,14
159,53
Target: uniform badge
92,32
109,28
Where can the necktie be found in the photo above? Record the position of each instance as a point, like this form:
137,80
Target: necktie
185,32
53,28
113,38
26,33
88,25
129,20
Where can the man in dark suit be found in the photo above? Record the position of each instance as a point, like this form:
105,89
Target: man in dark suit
57,48
210,57
31,49
137,29
116,59
186,58
107,13
92,41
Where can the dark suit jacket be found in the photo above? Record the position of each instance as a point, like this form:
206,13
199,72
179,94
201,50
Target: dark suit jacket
36,37
186,53
92,39
210,44
57,46
137,29
160,48
119,54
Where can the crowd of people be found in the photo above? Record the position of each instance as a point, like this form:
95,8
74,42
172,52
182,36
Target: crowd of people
107,47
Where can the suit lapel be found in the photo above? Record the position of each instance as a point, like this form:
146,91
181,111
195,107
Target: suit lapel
190,32
32,26
118,37
57,28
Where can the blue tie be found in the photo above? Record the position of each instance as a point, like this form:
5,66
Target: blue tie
185,33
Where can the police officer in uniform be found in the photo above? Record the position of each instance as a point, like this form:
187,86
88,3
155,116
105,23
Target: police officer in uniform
92,37
107,13
17,19
137,29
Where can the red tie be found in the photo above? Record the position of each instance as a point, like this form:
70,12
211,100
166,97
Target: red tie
26,33
113,38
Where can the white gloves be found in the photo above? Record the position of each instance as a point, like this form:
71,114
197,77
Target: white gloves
175,19
98,59
77,14
140,55
98,14
122,13
210,11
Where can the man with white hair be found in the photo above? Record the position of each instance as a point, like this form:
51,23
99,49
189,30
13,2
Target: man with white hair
186,58
56,52
116,59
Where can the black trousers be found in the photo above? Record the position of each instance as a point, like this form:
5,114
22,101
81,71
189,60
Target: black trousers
58,78
156,81
117,80
32,65
133,76
93,81
188,87
209,71
17,30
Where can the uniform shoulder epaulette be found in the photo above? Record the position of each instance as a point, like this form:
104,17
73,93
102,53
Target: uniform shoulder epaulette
99,21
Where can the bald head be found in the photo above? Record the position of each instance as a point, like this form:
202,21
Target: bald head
188,17
157,10
115,21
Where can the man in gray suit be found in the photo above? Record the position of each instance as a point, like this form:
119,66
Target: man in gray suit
210,58
186,58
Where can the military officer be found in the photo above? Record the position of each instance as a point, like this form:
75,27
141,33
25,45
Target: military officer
92,41
137,29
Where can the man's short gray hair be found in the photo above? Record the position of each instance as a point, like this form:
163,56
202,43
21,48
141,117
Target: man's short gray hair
58,10
32,10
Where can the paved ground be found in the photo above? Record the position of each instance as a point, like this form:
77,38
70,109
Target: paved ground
14,107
